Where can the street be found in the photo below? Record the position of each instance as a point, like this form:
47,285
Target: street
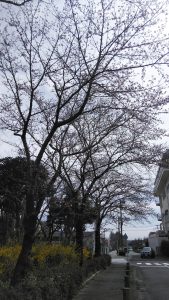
151,277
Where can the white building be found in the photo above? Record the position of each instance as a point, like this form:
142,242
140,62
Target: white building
155,239
161,190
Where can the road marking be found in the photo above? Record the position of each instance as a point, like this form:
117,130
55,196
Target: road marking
153,264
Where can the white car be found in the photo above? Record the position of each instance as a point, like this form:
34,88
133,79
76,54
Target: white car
147,252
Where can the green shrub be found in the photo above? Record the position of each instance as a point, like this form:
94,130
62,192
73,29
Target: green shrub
107,258
68,279
92,265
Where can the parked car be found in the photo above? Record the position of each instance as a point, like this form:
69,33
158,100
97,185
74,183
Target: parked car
121,252
147,252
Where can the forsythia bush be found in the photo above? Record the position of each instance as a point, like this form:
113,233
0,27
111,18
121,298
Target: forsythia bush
86,253
11,253
41,253
8,257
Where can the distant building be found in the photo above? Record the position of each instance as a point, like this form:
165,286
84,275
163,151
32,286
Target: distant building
104,245
89,242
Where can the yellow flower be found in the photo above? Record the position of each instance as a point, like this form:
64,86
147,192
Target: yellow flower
11,253
86,253
42,252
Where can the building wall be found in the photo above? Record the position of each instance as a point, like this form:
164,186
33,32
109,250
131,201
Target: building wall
161,190
155,240
165,206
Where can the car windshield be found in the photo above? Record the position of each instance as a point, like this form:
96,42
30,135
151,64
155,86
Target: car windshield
146,249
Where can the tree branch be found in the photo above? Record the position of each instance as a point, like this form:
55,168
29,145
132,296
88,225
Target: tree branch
15,3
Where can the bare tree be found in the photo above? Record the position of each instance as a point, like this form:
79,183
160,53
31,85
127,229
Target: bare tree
97,155
56,65
131,189
16,3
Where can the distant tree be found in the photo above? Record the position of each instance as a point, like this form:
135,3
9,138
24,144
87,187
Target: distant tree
137,244
12,196
113,240
13,188
146,242
120,196
60,218
64,213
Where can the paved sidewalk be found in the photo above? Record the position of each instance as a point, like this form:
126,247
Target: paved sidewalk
107,284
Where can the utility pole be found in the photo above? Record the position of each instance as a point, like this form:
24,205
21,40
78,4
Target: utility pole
120,225
118,230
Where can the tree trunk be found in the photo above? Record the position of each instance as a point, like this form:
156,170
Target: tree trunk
18,227
97,239
79,239
50,234
29,224
23,262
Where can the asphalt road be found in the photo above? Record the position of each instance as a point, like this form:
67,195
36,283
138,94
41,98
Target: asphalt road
151,277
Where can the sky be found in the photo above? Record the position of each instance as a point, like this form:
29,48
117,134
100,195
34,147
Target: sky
135,230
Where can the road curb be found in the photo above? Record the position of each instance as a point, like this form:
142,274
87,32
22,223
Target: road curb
90,278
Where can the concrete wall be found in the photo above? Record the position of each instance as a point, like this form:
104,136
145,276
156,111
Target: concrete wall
155,242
